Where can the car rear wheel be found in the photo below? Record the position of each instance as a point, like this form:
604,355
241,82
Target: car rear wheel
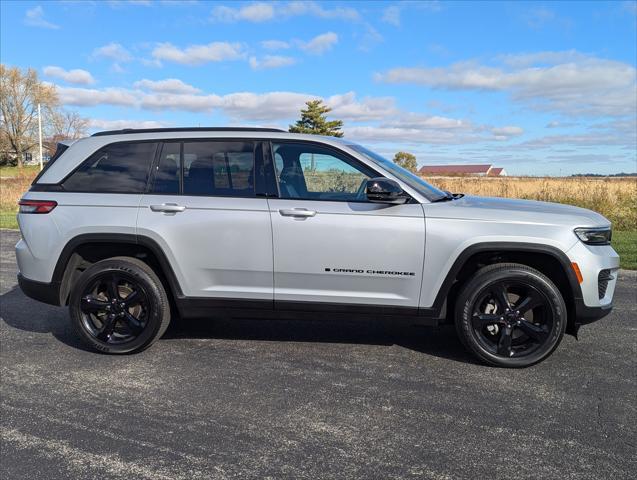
510,315
119,305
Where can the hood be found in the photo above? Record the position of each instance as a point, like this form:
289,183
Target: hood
516,211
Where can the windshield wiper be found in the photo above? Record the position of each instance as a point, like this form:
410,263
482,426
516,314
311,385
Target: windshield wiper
448,197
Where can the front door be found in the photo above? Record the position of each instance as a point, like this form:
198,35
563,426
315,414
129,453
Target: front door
333,246
206,213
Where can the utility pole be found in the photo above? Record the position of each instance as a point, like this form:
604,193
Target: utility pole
40,135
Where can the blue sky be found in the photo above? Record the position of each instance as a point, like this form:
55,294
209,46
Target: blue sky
538,88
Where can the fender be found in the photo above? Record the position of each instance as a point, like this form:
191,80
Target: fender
505,247
75,242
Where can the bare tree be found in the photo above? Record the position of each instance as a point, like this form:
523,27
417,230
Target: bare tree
20,93
63,125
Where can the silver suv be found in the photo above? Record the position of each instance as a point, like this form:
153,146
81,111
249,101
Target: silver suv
133,227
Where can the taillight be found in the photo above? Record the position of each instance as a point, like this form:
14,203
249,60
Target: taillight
36,206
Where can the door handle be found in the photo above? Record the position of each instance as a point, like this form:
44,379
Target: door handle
297,212
167,208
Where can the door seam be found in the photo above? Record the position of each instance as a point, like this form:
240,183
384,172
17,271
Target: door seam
272,246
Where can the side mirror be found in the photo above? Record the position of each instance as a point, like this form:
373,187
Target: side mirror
385,190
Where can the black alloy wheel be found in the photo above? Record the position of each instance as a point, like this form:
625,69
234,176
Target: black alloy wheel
114,308
119,305
511,319
510,315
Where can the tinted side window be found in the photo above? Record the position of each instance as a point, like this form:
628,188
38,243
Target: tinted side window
311,172
219,168
168,171
116,168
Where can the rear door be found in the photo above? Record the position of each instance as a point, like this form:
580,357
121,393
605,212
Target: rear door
333,246
205,210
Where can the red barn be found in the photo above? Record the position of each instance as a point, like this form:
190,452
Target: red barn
478,170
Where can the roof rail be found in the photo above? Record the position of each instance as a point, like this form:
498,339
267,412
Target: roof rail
125,131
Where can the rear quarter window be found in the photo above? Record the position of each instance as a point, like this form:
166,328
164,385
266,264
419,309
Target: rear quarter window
115,168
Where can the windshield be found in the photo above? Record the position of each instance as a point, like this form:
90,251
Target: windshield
414,181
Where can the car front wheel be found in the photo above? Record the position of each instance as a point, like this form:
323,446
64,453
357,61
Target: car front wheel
119,305
510,315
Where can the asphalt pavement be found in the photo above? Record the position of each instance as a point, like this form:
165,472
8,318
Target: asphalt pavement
255,399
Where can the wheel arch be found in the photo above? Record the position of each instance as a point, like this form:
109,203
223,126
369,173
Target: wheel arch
85,249
547,259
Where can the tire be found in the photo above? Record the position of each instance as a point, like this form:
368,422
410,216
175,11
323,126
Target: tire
517,337
108,317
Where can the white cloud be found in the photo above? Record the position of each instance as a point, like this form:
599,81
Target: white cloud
78,76
169,85
556,124
630,7
391,15
34,17
264,106
84,97
99,124
117,68
410,120
504,133
185,102
382,134
147,62
347,107
320,44
271,61
582,86
254,12
121,3
544,58
199,54
369,38
539,17
262,12
590,139
390,124
297,8
275,45
112,51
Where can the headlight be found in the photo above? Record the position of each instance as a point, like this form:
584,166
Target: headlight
594,236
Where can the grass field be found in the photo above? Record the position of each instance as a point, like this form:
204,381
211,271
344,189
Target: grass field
615,198
625,243
13,183
29,171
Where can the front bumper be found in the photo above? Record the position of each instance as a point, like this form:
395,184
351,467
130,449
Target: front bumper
592,302
585,315
593,260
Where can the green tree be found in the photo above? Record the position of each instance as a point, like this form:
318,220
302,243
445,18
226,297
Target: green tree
313,121
406,160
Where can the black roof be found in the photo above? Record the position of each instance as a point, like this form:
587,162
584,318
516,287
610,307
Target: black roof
185,129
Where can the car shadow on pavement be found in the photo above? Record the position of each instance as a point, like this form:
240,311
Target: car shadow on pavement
435,341
22,313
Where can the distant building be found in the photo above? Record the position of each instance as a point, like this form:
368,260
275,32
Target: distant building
497,172
30,157
482,170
